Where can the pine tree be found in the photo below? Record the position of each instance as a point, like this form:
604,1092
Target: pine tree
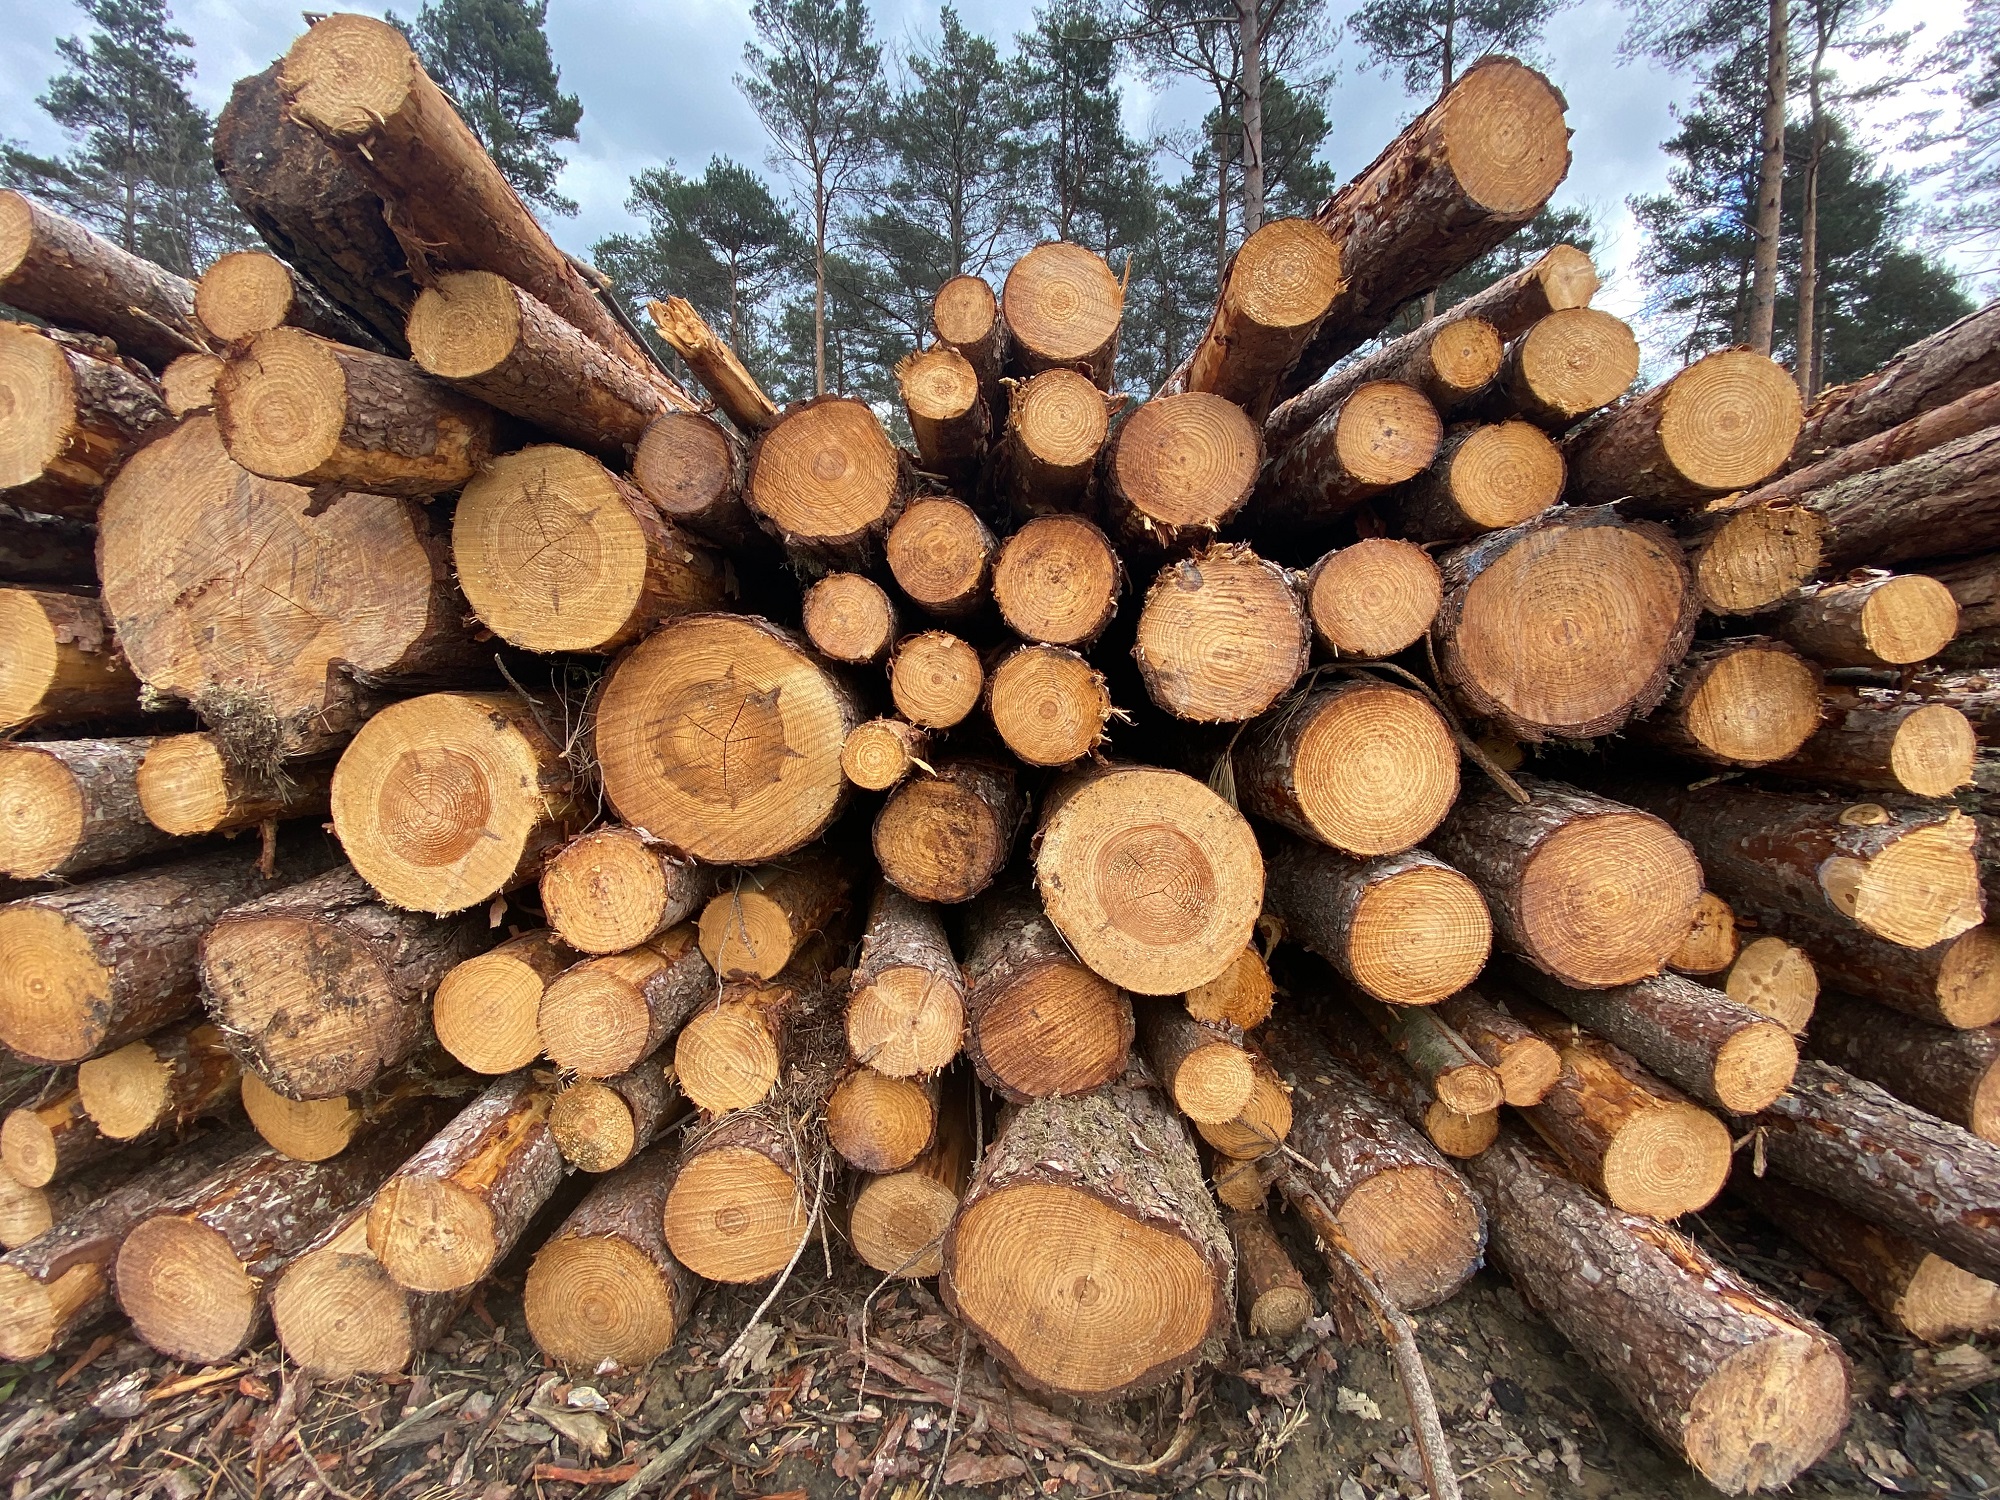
492,57
1430,41
140,171
1969,177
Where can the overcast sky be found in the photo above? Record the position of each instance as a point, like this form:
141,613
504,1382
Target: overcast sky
657,82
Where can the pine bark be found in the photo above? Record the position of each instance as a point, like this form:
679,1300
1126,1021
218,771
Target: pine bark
1929,374
1879,621
1944,502
1953,1074
74,420
69,807
36,549
163,1083
56,269
1561,278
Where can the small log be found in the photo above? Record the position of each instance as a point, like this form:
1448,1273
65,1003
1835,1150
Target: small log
1712,944
948,416
1038,1021
604,1289
1376,436
1566,626
1486,477
944,837
616,887
1561,278
451,1213
1928,374
1589,890
1057,581
1240,996
1355,1045
1178,469
1637,1141
85,970
882,1124
600,1124
692,468
737,1053
1119,855
1109,1181
1952,983
1876,740
51,1138
1062,306
194,1276
1409,1218
965,316
1272,1294
897,1221
607,1015
164,1083
1751,558
1442,1060
1205,1071
935,679
73,420
1222,635
1238,1185
1775,979
322,988
876,756
1373,597
826,482
487,1008
1361,766
751,927
338,1313
320,1129
850,619
1049,705
938,552
906,1000
39,549
307,410
1528,1066
721,735
1953,1074
1451,359
28,1213
68,807
714,364
248,292
1885,621
1744,701
1405,928
188,384
1749,1392
1265,1122
1724,1054
1916,1292
54,268
1564,367
1057,425
188,785
1276,288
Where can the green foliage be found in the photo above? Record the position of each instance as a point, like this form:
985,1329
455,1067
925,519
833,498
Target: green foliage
1172,286
1430,41
140,172
492,57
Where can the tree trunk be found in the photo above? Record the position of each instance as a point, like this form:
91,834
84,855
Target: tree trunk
761,917
1039,1022
1586,889
938,552
1930,373
1743,701
295,407
1778,980
322,988
935,679
39,549
1376,436
714,363
1278,285
1562,278
965,316
188,786
1876,740
738,1052
1486,477
1765,228
906,1001
1805,342
1204,1070
1057,581
600,1124
1049,705
607,1015
163,1083
1942,502
692,468
52,1138
604,1288
1240,996
1178,469
1405,928
1744,1388
339,1314
876,756
826,482
1222,635
1409,1218
1527,1065
68,807
1889,620
1450,359
747,768
1357,1048
1085,1206
1711,946
1062,306
1954,1075
616,888
947,413
73,420
1372,598
882,1124
486,1009
850,619
87,969
898,1221
249,292
1057,424
56,269
1566,626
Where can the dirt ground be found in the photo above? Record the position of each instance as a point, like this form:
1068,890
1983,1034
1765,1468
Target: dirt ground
824,1407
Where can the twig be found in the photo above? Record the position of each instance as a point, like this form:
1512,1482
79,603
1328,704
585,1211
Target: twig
805,1239
677,1455
319,1474
56,1481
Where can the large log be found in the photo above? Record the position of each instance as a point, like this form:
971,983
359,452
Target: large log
1152,878
1566,626
1409,1218
604,1289
1405,928
1373,597
721,735
338,1313
1564,367
1222,635
1885,620
1586,889
1944,502
322,988
58,660
1362,766
849,618
1062,307
944,837
607,1015
1928,374
906,1000
1561,278
762,916
1743,701
1747,1390
1528,1066
248,292
1356,1046
73,420
268,607
85,970
1178,469
1953,1074
1049,705
939,552
486,1010
451,1213
56,269
1057,425
1037,1021
1877,740
826,482
1088,1255
948,415
898,1221
1373,437
188,785
163,1083
739,1051
691,467
1276,288
68,807
1486,477
617,887
1057,581
39,549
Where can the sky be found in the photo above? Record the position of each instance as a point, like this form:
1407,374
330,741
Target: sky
657,82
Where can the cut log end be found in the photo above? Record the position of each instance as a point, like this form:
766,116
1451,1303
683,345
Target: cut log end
1933,751
1768,1414
1373,598
47,670
347,73
1571,363
1241,995
43,812
1943,1301
905,1022
1049,705
286,402
1221,636
40,396
29,1150
1284,276
826,474
1373,769
1213,1082
1503,474
1056,581
945,837
184,784
1909,619
1062,305
964,311
432,1235
185,1291
244,292
36,1315
188,384
879,754
1752,706
1505,137
465,326
1419,935
1756,558
486,1009
1417,1229
1460,1136
878,1123
1058,1030
727,1057
734,1215
53,988
593,1125
1711,944
898,1223
1262,1126
595,1298
849,618
1668,1161
303,1129
936,679
1386,434
939,549
1060,420
338,1314
595,1018
1778,980
1754,1066
1605,899
614,888
686,464
1730,420
1968,982
1182,466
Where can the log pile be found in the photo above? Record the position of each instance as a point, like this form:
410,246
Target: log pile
1042,841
